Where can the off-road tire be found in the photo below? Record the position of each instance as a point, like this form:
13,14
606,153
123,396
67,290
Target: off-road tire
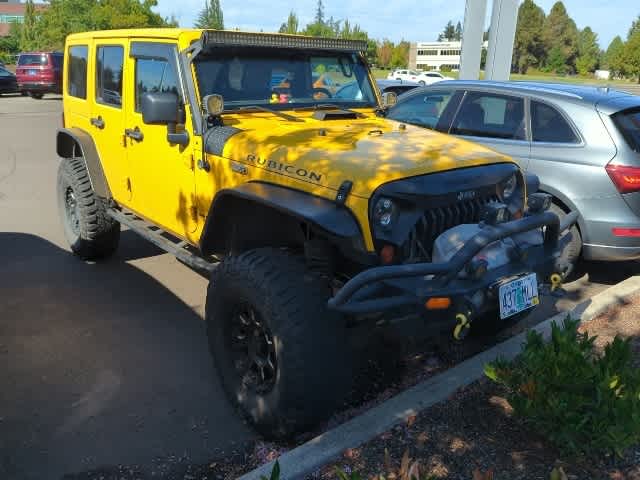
37,96
314,368
93,234
572,253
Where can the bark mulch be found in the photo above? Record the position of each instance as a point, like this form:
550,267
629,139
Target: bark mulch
475,430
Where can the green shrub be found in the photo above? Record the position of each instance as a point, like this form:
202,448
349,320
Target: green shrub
581,401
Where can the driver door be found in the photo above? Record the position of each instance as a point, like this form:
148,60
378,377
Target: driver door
162,176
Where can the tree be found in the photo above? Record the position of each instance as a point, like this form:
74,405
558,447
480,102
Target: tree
588,51
458,33
211,16
449,32
291,25
560,35
529,48
69,16
29,29
385,50
613,57
319,18
400,55
631,56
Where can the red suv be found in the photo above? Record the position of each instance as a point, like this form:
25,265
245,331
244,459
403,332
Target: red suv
39,73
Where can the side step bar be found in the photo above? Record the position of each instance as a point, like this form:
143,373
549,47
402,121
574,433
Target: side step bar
165,241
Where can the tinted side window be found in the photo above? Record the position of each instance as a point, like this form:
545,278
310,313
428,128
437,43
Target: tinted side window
77,81
424,109
548,125
490,115
109,75
154,75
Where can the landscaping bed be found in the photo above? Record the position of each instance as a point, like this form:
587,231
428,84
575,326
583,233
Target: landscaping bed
476,430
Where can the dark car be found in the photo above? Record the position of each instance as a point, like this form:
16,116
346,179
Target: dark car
39,73
8,82
582,142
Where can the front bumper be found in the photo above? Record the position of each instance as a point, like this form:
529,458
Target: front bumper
386,288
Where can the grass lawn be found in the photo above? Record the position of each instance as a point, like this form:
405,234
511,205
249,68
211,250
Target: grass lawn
534,76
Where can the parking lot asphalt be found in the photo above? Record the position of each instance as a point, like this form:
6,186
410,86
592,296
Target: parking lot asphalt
106,363
100,364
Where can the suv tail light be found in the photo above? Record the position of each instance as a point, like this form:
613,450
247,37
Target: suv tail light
626,179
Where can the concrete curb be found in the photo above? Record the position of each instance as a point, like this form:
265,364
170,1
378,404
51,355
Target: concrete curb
312,455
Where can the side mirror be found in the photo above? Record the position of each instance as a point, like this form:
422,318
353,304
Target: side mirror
389,99
160,108
213,104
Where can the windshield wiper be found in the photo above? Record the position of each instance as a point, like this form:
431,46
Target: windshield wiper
260,108
326,106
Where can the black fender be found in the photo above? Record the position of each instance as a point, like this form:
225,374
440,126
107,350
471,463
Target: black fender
325,216
75,142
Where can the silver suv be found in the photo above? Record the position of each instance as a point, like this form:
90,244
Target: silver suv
583,142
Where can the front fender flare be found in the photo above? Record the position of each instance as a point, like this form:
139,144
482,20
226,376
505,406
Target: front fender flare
75,142
325,215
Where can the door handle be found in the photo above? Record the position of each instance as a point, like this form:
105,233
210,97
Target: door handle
97,122
134,133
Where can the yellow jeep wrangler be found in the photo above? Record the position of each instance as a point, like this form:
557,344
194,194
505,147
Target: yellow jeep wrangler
311,211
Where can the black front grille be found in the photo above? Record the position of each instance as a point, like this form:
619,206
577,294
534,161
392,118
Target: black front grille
433,222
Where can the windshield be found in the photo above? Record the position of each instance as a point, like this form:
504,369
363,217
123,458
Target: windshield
284,79
33,59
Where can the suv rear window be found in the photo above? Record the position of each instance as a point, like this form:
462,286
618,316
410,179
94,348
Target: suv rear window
628,122
33,59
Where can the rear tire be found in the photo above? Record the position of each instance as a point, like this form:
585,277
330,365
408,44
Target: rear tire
280,352
572,252
91,233
37,96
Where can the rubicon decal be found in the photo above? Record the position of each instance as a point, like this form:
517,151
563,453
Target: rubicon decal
285,168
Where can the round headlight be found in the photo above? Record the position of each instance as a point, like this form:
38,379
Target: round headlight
509,187
384,213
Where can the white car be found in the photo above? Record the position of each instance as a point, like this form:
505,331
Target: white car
429,78
404,75
423,78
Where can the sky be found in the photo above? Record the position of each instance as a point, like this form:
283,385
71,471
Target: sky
397,19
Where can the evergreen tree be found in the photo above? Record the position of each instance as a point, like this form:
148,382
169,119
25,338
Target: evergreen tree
529,48
588,51
449,32
291,25
560,36
319,19
211,16
458,34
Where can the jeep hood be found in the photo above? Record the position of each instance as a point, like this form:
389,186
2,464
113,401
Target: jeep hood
368,152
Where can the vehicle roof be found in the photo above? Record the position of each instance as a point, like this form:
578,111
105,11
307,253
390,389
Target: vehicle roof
41,52
591,94
172,33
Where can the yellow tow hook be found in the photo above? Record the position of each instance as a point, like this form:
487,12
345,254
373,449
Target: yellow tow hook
462,327
556,282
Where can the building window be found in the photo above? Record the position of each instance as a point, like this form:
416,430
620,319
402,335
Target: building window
450,53
11,19
428,52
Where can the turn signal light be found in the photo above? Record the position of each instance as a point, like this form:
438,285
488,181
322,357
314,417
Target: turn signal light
438,303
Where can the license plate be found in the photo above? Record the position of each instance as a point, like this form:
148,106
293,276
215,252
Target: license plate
518,295
31,72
